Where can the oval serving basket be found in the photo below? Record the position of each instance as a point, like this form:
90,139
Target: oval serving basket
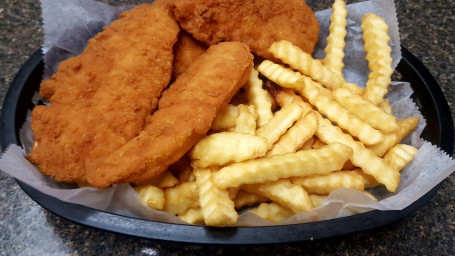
428,95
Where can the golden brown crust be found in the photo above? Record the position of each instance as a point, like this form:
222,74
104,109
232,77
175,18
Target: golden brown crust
101,98
185,113
255,23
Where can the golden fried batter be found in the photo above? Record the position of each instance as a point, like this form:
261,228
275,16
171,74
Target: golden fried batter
257,23
102,98
185,114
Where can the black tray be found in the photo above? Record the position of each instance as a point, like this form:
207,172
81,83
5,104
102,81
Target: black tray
428,94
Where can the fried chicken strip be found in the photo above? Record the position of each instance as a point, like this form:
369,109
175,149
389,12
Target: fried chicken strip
185,113
103,97
257,23
186,51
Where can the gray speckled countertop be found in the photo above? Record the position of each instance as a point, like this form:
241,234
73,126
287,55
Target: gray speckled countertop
427,30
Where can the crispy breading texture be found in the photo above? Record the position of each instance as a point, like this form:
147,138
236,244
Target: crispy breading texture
185,114
102,98
255,23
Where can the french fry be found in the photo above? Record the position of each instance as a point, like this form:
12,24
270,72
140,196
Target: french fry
288,96
362,157
246,120
272,212
353,88
225,147
302,163
279,124
317,143
390,139
164,180
283,192
368,180
326,183
259,98
152,196
297,135
324,103
192,216
178,199
308,144
304,62
365,110
232,192
385,105
376,45
318,200
216,206
400,155
244,198
334,51
226,119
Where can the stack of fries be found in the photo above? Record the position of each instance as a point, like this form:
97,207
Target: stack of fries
282,150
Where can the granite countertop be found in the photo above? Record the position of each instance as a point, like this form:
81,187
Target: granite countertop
26,228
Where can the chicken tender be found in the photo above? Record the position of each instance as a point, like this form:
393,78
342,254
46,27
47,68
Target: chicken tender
257,23
103,97
186,51
185,114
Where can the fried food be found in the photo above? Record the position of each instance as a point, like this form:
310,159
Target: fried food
186,51
255,23
185,114
102,98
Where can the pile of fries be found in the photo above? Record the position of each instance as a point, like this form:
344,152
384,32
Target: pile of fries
293,135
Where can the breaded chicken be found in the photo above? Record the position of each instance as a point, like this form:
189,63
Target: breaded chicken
103,97
185,114
186,51
257,23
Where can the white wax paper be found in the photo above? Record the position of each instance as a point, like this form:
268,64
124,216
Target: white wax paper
69,24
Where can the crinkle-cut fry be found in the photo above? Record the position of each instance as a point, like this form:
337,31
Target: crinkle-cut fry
326,183
272,212
216,206
179,199
283,192
192,216
280,75
334,51
400,155
308,144
288,96
246,120
365,110
304,62
353,88
152,196
164,180
368,180
226,119
280,123
385,105
245,198
315,94
377,48
259,98
390,139
362,157
232,192
297,135
370,195
226,147
317,143
302,163
318,200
